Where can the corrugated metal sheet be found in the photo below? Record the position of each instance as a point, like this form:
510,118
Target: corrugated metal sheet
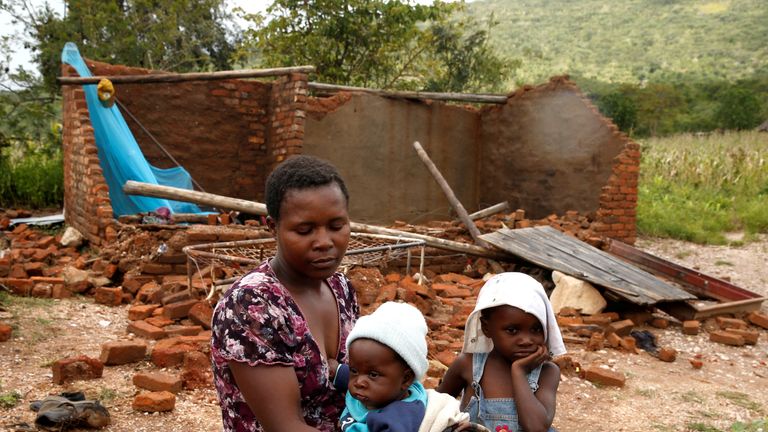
550,248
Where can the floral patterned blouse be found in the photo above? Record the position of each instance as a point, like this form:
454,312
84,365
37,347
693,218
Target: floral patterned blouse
258,322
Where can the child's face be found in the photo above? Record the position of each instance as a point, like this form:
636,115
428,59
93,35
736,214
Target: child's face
377,375
313,231
515,334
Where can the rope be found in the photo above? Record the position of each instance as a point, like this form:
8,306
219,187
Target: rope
156,141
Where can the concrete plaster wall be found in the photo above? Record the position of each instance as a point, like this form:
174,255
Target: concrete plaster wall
546,151
370,139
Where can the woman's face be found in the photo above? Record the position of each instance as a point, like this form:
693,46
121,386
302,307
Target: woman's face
377,375
313,231
515,333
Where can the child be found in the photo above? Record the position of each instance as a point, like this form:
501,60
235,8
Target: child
504,372
387,358
275,331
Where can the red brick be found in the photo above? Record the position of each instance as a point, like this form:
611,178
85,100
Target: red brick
182,330
154,401
42,290
122,352
6,332
201,314
600,320
726,337
196,371
145,330
596,342
750,336
691,327
621,328
170,352
696,363
159,320
108,296
140,312
629,344
157,269
179,309
20,287
17,272
667,354
731,323
158,381
758,319
602,376
76,368
661,323
387,293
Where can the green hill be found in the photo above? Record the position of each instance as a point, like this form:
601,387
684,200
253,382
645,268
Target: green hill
630,41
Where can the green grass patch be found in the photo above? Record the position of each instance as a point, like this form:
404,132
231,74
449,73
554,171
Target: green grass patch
20,302
9,399
697,188
35,181
701,427
755,426
742,400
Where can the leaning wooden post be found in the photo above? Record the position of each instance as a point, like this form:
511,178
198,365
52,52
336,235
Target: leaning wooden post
455,203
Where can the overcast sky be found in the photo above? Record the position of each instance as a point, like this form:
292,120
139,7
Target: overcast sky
23,57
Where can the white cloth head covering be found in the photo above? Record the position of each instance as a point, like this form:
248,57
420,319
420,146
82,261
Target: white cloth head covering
399,326
518,290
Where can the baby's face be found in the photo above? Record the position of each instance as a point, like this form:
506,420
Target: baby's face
515,333
377,375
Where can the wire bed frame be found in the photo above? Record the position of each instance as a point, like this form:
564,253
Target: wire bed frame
240,257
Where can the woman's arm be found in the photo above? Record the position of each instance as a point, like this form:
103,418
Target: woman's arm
455,379
272,393
535,410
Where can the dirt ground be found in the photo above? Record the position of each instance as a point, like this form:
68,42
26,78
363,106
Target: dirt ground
657,396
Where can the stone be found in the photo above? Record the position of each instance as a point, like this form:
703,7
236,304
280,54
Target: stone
76,369
6,332
667,354
577,294
123,352
71,238
158,381
154,401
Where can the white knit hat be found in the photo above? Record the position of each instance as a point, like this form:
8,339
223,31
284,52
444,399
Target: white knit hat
521,291
399,326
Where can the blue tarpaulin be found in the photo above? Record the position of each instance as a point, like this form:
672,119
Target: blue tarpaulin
120,157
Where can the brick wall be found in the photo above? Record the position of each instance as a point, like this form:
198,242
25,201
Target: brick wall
287,114
86,195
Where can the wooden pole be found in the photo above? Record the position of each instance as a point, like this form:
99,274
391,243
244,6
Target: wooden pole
192,76
146,189
461,97
496,208
455,203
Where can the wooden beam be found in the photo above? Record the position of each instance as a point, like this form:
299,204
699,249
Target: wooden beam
191,76
222,202
496,208
455,203
461,97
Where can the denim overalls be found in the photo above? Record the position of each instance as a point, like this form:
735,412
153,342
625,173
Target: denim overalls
500,414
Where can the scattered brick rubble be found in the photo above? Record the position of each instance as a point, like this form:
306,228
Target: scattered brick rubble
146,268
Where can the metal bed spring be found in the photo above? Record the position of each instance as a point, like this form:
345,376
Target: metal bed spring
239,257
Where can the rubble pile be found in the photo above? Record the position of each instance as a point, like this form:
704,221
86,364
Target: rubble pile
169,318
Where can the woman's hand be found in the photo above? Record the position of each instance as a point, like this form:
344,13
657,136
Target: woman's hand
532,361
332,366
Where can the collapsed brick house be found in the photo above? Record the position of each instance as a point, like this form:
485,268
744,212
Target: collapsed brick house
546,149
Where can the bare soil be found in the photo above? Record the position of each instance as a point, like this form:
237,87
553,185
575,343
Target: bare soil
657,395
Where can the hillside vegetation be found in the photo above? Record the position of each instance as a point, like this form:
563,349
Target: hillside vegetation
629,41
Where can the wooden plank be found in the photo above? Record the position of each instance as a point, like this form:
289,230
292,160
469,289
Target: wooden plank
554,250
693,281
461,97
190,76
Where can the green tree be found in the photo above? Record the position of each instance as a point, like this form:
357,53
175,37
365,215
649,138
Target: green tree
373,43
176,35
621,107
739,108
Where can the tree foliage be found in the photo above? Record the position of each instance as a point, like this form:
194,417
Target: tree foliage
375,43
176,35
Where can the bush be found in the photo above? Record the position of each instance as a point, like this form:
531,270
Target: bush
36,181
